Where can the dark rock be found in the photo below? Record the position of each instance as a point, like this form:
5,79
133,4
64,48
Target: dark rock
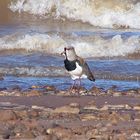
16,87
8,133
4,88
6,136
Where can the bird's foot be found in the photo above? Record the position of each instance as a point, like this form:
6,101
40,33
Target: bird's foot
73,91
76,90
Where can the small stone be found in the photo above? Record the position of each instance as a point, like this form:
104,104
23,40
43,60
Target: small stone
62,93
33,113
114,118
49,88
116,94
88,117
104,108
74,105
6,136
67,109
8,133
34,87
19,128
60,133
17,88
33,93
96,90
92,133
90,107
136,107
22,114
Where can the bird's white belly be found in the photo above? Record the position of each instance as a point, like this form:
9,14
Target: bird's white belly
77,73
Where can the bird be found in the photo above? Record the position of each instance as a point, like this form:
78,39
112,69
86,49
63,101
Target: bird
76,66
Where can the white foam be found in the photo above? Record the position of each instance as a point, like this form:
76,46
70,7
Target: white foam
101,13
35,42
108,48
55,44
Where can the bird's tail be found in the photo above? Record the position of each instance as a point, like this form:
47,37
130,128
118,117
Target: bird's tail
91,78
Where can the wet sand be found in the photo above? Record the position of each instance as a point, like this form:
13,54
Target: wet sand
50,114
55,101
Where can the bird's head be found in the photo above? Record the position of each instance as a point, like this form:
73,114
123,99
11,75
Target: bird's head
69,53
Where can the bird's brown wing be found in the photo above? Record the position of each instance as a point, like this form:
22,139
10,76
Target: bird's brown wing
86,69
88,72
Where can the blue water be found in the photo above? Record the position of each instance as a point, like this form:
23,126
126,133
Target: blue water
122,73
10,82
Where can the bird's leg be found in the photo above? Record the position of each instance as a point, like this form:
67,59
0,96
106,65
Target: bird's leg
79,85
73,85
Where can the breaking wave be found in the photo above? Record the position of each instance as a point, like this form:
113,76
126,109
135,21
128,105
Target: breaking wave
93,46
101,13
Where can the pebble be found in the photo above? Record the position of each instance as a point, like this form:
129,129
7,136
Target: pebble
117,94
136,107
88,117
32,93
50,88
95,90
67,109
16,87
74,105
60,133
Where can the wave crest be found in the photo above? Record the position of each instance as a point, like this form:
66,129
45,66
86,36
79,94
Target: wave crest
109,13
94,46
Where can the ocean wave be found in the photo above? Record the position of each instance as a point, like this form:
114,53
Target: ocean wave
93,46
33,42
33,71
101,13
52,71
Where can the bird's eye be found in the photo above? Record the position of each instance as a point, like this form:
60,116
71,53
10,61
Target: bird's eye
68,49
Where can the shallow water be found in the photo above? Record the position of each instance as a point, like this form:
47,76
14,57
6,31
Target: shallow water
62,83
32,38
41,69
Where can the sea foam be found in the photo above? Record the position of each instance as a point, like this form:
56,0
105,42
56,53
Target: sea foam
101,13
54,44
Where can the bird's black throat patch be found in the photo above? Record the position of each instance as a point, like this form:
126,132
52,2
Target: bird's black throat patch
70,65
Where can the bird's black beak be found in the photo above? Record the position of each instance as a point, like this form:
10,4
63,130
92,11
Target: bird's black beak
64,52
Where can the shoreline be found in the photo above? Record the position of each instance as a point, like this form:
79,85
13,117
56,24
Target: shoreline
51,114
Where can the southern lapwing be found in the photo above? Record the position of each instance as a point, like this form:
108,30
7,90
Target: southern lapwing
76,66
